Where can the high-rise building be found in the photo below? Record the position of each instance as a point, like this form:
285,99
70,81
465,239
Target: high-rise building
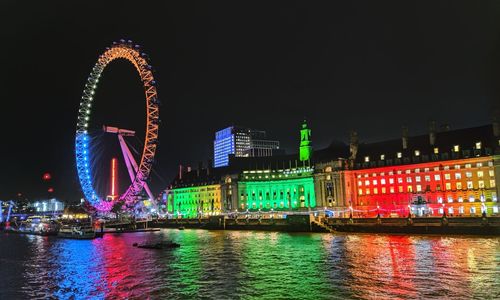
241,142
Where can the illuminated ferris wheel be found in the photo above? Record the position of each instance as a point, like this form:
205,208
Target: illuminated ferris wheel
139,172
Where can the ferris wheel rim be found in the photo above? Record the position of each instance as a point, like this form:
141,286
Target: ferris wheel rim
126,50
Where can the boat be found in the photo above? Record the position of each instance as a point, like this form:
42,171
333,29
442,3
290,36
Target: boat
37,225
159,246
77,231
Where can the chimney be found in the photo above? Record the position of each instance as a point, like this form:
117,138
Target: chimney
200,166
432,132
181,170
353,146
405,137
496,123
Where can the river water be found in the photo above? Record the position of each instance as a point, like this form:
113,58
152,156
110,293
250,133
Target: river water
250,265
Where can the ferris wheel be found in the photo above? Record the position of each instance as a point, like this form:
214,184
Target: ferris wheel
139,172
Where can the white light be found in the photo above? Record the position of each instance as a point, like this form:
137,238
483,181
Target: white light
88,111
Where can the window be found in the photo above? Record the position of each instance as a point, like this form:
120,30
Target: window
360,183
410,189
468,174
447,176
400,180
375,191
368,191
383,190
408,179
407,171
392,190
492,183
479,165
391,180
367,158
417,179
478,145
480,174
495,209
450,199
417,170
399,154
491,173
457,167
448,186
458,175
427,178
459,185
468,166
417,152
399,172
367,182
426,170
391,173
400,189
437,177
469,185
490,164
436,169
440,200
360,191
446,167
374,182
382,156
382,181
419,188
471,198
456,148
460,199
436,150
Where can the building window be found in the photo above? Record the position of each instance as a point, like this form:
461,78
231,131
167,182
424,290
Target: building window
480,174
374,182
367,159
448,186
491,173
391,180
417,152
400,189
446,167
447,176
479,165
419,188
382,156
417,178
460,199
375,191
427,178
492,183
367,182
468,166
478,145
400,180
437,177
392,190
468,174
436,150
410,189
360,191
457,167
408,171
469,185
368,191
383,190
450,199
458,176
399,155
459,185
471,198
360,183
408,179
436,169
456,148
417,170
382,181
440,199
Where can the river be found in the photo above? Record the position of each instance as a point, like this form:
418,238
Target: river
250,265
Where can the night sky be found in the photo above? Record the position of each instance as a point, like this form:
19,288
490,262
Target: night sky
372,66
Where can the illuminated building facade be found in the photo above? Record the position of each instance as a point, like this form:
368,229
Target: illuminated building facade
448,172
197,201
277,189
241,142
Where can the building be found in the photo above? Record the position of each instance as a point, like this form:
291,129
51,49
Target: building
447,172
241,142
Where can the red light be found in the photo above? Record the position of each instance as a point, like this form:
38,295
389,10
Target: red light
50,190
46,176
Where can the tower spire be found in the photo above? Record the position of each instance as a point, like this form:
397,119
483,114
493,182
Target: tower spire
305,151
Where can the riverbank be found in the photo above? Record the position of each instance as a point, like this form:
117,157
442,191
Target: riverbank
306,223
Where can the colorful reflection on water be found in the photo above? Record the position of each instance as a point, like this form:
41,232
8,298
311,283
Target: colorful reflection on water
250,265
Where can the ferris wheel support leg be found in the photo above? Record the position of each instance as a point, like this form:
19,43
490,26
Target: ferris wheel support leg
132,166
10,210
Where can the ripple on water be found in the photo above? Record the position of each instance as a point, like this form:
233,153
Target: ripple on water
250,265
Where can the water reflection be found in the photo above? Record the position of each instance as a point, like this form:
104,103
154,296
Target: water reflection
250,265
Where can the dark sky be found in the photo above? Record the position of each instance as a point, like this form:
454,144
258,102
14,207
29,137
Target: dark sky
372,66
